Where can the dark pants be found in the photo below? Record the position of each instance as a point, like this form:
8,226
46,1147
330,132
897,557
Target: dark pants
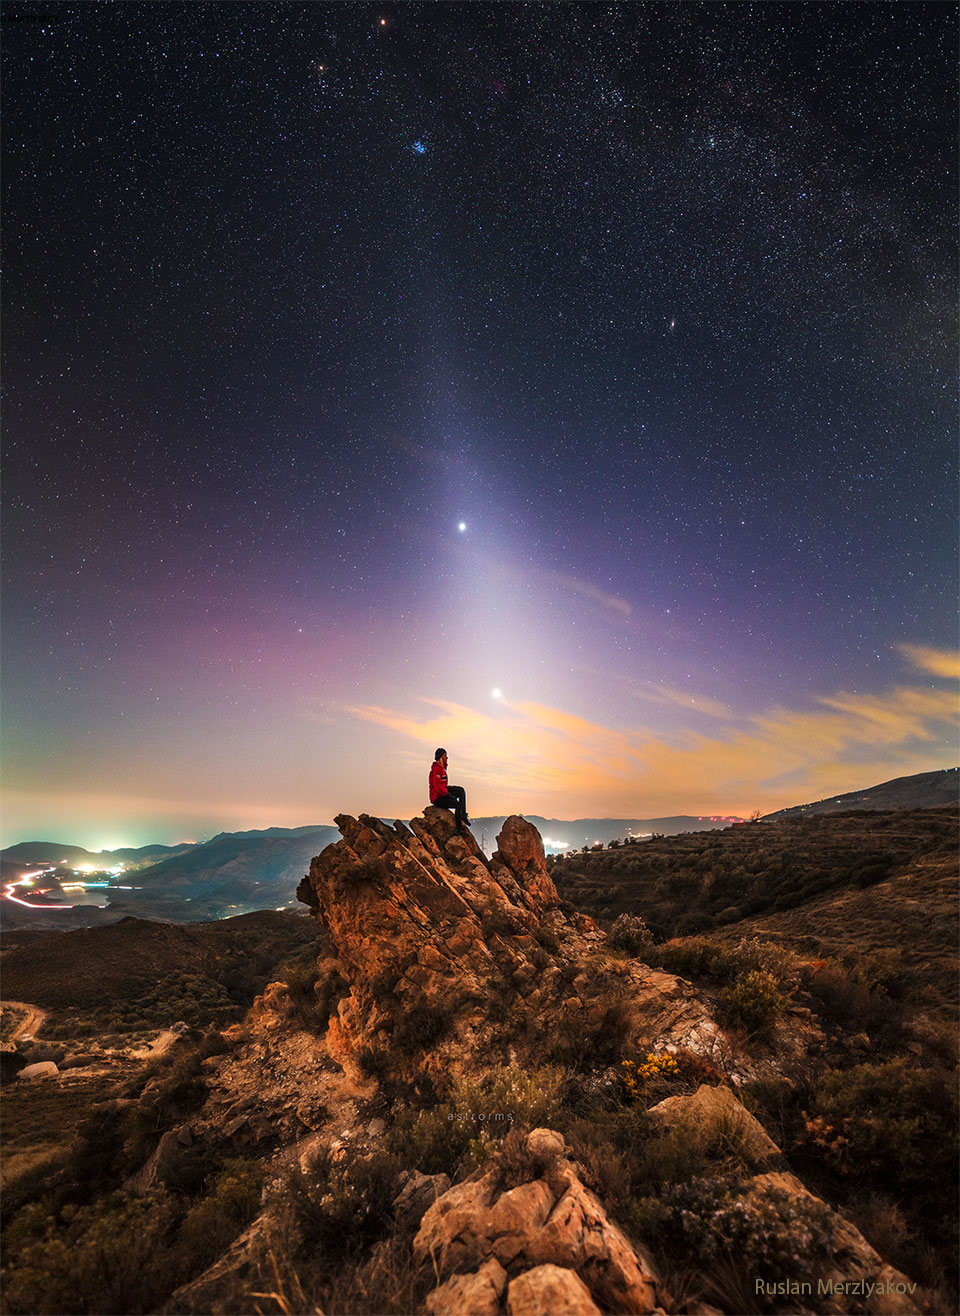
456,799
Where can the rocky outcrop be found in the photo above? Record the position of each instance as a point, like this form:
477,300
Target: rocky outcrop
438,964
453,959
540,1232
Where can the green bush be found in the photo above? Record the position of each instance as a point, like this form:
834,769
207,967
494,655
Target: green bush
898,1125
453,1134
753,1003
691,959
211,1225
100,1258
756,953
763,1232
343,1206
629,932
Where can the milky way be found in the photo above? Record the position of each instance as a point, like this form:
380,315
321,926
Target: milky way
361,357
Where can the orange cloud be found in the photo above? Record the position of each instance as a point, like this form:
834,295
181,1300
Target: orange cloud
536,759
939,662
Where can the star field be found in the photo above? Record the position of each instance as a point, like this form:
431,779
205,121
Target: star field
360,355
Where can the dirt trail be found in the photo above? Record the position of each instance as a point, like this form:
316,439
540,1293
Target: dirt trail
162,1042
28,1026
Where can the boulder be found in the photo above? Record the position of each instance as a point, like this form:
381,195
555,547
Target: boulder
714,1108
546,1143
41,1069
151,1173
552,1290
418,1192
478,1294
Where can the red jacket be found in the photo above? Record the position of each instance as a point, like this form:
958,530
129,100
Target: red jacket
438,781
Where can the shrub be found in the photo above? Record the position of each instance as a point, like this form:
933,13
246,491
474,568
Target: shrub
695,1069
214,1222
343,1206
456,1133
756,953
630,933
898,1125
101,1258
753,1003
514,1163
765,1232
862,991
419,1027
691,924
642,1080
691,959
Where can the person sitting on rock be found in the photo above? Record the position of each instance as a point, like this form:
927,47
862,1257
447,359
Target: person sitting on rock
444,796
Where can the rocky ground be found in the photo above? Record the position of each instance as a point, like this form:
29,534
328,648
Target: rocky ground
425,1107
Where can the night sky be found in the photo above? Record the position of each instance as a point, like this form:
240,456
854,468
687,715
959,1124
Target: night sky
572,386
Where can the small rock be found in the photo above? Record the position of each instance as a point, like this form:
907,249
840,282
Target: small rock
185,1136
546,1142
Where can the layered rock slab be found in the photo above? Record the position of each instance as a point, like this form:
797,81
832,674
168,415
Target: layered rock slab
537,1229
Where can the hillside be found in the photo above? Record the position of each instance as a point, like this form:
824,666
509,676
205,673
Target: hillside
234,870
701,880
54,853
561,834
93,969
465,1098
920,791
835,885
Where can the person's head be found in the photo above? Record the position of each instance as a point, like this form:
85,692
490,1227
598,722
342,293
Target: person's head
440,757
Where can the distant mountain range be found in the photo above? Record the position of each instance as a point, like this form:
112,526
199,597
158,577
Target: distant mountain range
923,790
230,874
235,872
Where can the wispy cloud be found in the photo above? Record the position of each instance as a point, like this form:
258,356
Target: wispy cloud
534,758
939,662
665,694
586,590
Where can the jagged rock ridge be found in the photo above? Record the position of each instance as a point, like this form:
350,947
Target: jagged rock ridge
445,963
425,927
